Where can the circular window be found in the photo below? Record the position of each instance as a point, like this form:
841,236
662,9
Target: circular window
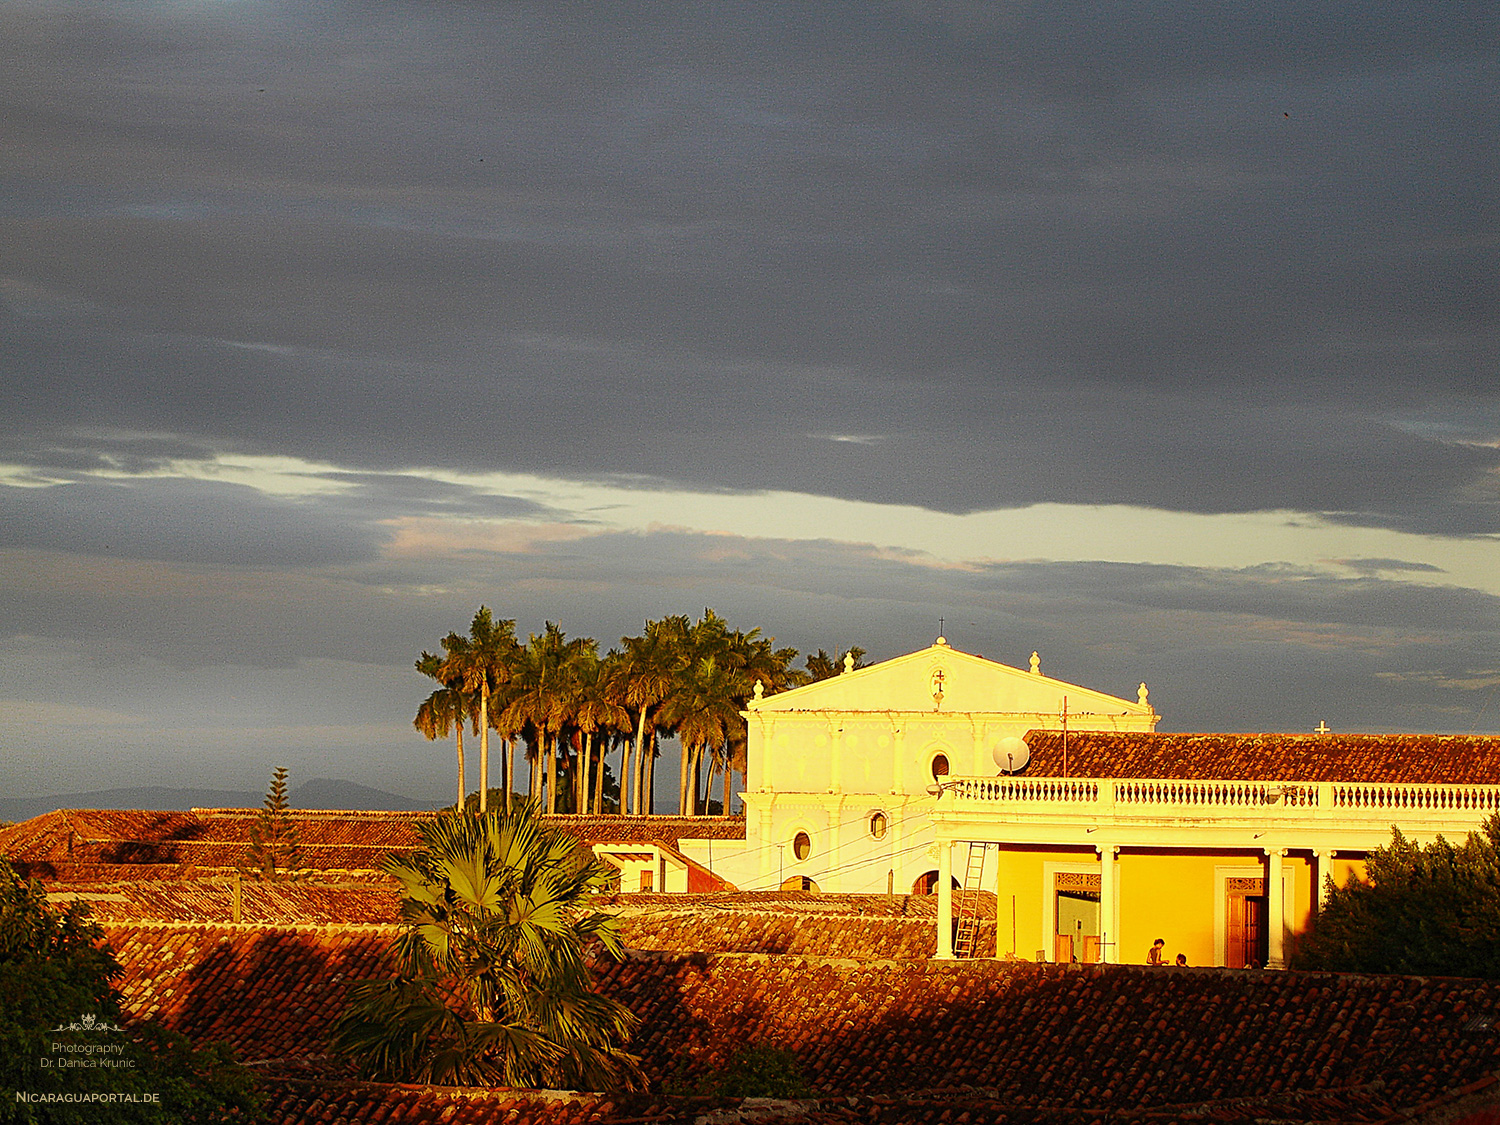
939,766
878,826
802,845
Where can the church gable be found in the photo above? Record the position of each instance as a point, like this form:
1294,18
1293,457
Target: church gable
942,679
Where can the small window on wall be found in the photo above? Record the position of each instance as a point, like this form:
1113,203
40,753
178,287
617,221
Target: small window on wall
801,845
878,826
939,766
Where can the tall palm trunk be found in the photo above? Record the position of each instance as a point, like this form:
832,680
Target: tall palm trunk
581,803
650,783
724,810
551,772
484,745
510,769
638,771
599,781
461,794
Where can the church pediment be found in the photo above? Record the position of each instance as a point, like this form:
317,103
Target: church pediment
940,678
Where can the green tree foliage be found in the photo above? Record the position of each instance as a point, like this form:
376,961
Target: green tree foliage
275,841
1431,910
821,666
754,1071
58,1003
573,708
492,984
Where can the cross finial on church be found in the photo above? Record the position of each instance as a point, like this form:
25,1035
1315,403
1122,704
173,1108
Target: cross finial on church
941,631
1322,728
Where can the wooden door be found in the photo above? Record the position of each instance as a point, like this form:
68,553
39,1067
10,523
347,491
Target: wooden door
1246,931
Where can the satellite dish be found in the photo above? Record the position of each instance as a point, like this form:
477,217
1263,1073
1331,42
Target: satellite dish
1011,754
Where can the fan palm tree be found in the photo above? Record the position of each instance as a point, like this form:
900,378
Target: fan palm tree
493,986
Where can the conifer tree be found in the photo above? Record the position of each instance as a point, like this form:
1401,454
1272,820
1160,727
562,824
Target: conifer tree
275,841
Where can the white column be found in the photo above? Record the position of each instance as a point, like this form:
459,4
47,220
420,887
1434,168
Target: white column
1325,872
1108,895
1275,909
945,901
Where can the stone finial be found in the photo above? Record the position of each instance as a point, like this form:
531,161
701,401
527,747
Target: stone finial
760,690
848,661
1321,728
941,642
1144,696
1036,664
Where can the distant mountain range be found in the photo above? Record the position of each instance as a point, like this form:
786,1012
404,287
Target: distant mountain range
319,793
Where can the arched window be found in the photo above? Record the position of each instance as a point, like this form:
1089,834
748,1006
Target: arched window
939,766
878,826
802,845
800,883
927,882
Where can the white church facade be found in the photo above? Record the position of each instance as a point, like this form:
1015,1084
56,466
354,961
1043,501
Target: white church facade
842,772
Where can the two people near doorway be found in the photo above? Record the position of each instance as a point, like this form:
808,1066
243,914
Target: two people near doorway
1156,955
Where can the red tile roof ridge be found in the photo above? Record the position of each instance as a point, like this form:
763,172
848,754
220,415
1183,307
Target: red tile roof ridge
255,927
383,814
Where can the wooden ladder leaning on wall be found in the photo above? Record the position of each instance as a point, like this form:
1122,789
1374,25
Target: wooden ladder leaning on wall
966,937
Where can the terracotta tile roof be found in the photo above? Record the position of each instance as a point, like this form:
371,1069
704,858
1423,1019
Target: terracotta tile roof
664,830
858,927
1394,758
83,844
1084,1039
268,993
300,1100
212,900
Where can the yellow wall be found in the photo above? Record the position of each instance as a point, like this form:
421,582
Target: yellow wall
1172,895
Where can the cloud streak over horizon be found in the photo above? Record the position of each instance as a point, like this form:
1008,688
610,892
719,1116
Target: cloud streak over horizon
1161,339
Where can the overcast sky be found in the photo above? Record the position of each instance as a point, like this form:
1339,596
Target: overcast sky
1160,338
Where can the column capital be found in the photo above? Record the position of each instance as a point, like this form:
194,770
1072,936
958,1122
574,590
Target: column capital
1280,853
1112,849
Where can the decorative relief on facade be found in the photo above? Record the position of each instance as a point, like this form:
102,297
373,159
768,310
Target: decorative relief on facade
1076,881
1236,885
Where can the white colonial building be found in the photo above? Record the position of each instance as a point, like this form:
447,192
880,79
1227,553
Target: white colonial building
842,773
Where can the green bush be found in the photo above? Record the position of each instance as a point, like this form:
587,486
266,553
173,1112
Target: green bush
1432,910
63,1040
757,1071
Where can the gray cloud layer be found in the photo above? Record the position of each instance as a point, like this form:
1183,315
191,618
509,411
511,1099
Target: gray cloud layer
1205,259
1195,261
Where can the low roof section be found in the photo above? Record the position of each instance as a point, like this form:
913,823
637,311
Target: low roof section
99,844
1089,1039
1409,759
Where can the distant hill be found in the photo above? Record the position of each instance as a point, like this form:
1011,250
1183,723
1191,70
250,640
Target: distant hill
319,793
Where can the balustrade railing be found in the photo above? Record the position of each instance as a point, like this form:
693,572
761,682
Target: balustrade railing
1230,798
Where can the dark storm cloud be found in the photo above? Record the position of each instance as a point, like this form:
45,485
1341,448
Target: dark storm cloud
1198,260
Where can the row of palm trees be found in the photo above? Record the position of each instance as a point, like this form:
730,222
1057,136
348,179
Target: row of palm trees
570,708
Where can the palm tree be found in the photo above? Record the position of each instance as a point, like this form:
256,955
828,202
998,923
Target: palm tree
704,710
493,986
595,710
652,663
446,709
541,696
481,662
